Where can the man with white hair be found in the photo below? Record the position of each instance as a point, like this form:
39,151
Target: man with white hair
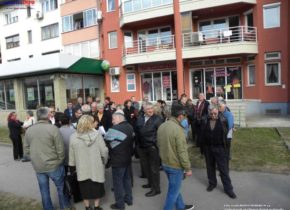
120,140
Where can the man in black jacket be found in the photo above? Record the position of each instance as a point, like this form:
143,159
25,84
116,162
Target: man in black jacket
120,140
214,133
146,127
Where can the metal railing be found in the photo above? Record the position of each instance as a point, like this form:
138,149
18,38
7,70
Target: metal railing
220,36
149,45
131,6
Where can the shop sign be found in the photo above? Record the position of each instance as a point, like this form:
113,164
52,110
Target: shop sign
158,66
166,81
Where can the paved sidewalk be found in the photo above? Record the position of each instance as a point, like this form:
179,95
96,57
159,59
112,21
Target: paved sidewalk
252,188
268,121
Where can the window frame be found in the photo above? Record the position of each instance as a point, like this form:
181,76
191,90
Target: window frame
107,1
269,6
279,73
131,41
130,74
29,36
111,78
15,43
248,72
273,58
47,5
50,27
109,39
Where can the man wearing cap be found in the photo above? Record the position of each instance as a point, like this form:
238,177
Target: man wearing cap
120,141
175,161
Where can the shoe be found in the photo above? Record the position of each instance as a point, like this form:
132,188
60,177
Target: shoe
129,203
210,188
114,206
189,207
231,194
25,160
146,186
152,193
142,177
88,208
98,208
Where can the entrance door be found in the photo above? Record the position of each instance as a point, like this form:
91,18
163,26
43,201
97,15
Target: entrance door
197,82
210,83
220,81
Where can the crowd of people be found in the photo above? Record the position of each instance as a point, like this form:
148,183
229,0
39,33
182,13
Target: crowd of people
89,137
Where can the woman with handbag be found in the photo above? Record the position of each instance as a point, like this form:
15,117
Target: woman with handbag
89,154
15,130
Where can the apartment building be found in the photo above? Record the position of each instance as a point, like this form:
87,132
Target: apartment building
237,49
48,52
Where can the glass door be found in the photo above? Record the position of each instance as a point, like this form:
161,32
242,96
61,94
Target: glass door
234,81
220,74
197,82
210,83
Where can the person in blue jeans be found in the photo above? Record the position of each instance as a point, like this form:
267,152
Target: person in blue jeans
174,156
120,141
44,145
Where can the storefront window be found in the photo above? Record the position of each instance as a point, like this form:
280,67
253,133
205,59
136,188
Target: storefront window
234,79
210,83
7,95
82,86
160,85
38,92
197,83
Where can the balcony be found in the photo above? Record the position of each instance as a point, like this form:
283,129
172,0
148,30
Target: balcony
137,10
149,50
193,5
227,41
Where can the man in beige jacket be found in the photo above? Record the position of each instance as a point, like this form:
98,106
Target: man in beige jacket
44,144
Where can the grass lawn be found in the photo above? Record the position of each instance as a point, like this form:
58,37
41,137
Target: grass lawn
10,201
254,149
4,135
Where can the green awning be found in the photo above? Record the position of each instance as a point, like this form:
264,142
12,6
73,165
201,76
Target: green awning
87,66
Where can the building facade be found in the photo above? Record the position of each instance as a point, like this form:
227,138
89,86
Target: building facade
235,49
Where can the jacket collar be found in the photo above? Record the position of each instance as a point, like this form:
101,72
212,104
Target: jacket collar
173,119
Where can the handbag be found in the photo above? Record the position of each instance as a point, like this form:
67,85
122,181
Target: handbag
71,187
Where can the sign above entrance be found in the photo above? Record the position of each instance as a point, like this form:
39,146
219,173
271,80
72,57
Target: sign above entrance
157,66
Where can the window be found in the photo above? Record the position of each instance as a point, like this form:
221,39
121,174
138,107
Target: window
28,9
131,82
88,49
211,28
186,22
49,32
272,55
7,95
233,60
12,41
79,20
111,5
273,73
251,75
113,40
38,91
49,5
29,36
250,20
11,17
115,83
271,15
156,36
128,39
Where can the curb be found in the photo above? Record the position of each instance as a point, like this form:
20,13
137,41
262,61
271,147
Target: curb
5,144
287,144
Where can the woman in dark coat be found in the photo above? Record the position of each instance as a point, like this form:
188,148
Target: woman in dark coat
130,113
15,127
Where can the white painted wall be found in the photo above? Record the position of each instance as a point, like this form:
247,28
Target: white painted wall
25,24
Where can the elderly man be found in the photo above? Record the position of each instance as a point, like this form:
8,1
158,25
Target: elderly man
214,133
146,128
175,161
44,144
120,140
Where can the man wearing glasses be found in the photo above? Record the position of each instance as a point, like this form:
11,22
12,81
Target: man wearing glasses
214,133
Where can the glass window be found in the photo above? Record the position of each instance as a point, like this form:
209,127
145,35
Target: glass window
197,83
128,6
251,75
94,48
272,55
273,73
115,83
210,83
90,17
271,15
78,21
49,5
220,74
74,87
165,35
92,85
157,86
250,20
234,83
152,37
128,39
131,82
12,41
146,4
46,91
28,10
29,36
11,17
111,5
137,5
85,51
77,49
7,95
113,40
156,2
31,93
50,31
67,24
2,96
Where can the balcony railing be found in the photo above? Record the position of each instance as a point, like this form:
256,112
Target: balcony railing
131,6
149,45
220,36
